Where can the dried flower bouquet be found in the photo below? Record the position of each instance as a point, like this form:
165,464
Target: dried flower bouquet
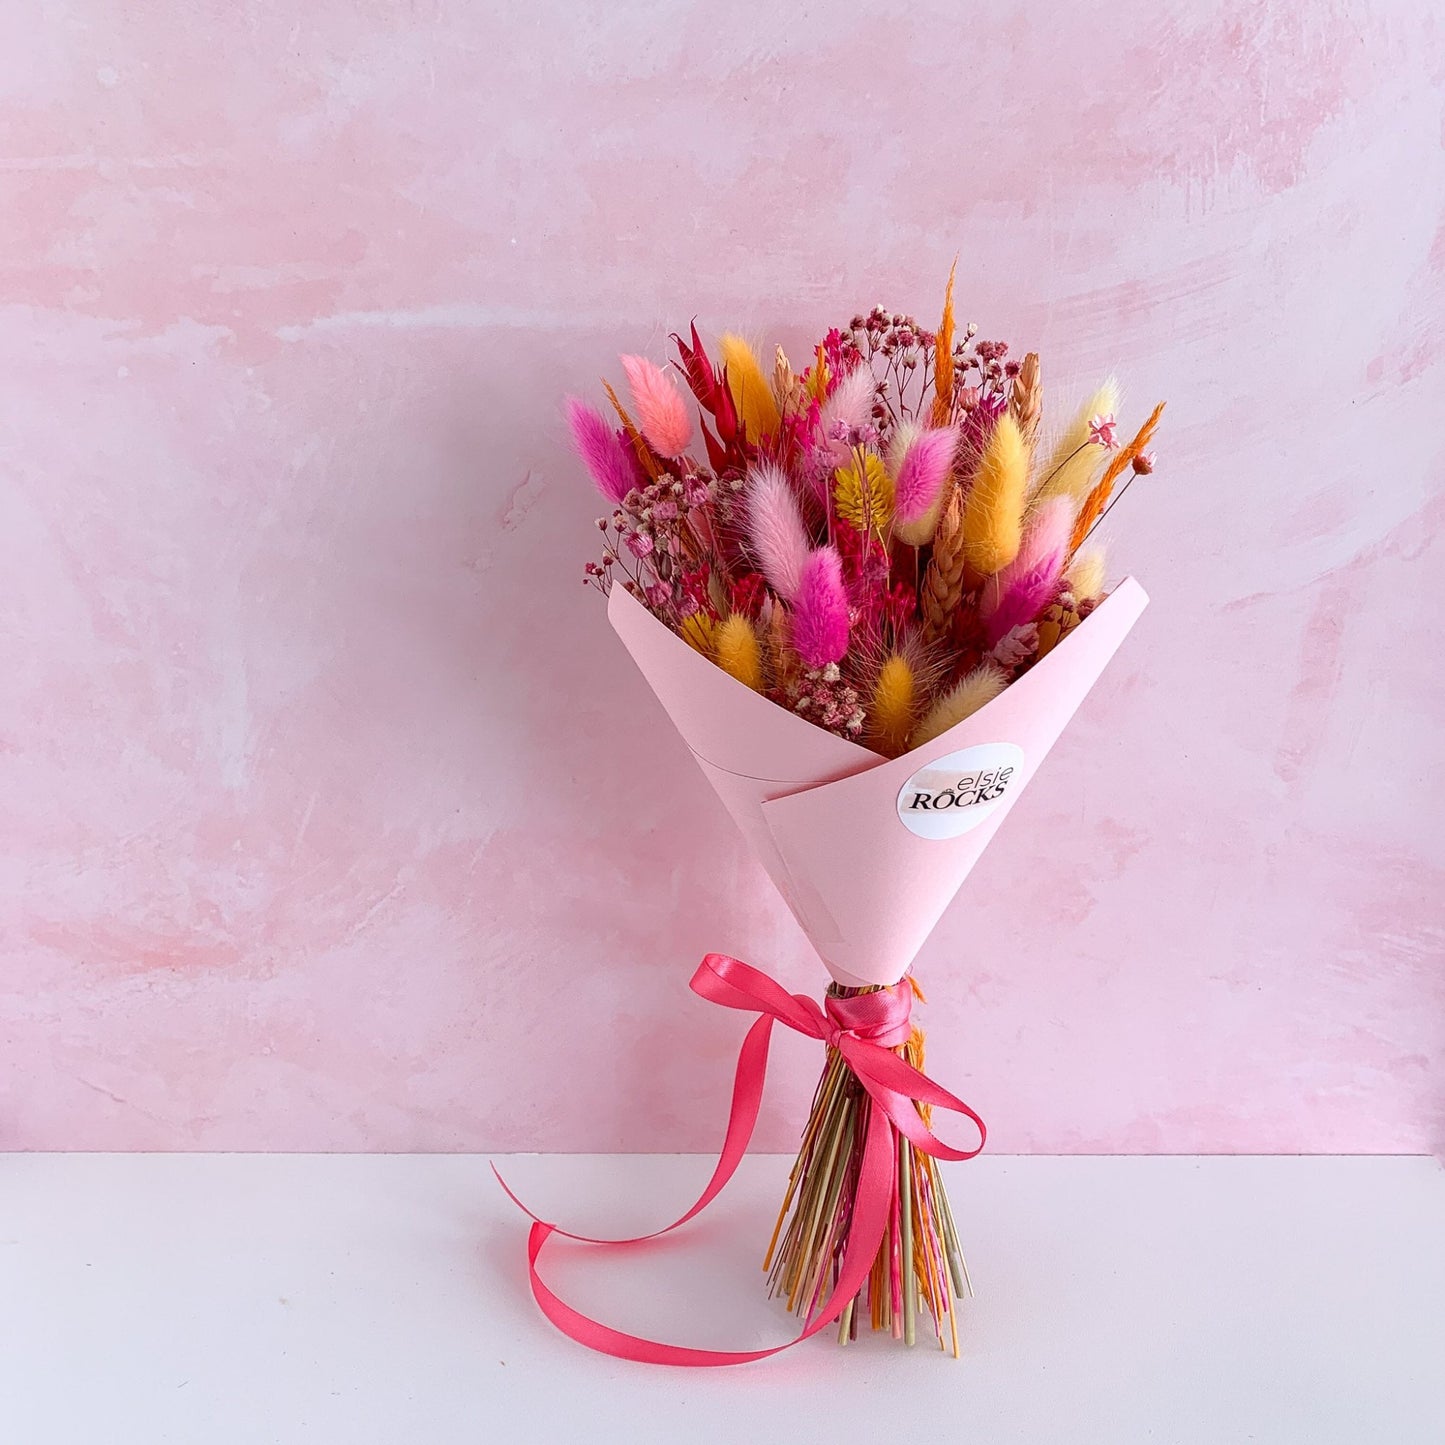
886,545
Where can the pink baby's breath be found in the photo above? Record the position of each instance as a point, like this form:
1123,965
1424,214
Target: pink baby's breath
1101,431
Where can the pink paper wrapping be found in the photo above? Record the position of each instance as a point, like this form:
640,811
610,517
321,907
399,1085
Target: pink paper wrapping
822,814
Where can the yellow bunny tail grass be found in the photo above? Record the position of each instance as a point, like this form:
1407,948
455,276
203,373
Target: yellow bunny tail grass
698,632
993,513
751,391
943,358
895,699
1098,498
964,699
1075,460
1085,577
737,651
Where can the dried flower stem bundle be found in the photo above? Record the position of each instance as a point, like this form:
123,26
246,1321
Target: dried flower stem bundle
919,1269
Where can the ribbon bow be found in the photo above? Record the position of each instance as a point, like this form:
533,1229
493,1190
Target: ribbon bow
864,1029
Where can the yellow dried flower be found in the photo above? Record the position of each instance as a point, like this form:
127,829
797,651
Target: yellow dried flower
751,391
698,632
737,651
993,511
895,697
866,501
1056,623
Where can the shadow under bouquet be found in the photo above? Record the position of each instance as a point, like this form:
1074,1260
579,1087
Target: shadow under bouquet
868,596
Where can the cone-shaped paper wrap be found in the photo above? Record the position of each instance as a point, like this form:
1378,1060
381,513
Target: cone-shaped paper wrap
868,851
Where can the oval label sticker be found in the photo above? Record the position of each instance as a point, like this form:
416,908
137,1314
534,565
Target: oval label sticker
956,792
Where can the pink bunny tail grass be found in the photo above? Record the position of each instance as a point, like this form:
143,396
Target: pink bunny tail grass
603,454
820,610
779,540
661,411
1027,585
850,407
924,461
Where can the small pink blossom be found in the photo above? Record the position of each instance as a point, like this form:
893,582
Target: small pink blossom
639,544
1101,431
1017,645
1144,463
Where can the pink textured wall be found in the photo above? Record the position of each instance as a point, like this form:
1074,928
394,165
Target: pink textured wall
333,815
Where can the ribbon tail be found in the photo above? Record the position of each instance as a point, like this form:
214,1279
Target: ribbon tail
870,1221
894,1088
748,1081
603,1338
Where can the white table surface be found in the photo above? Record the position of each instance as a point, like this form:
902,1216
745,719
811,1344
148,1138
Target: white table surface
244,1298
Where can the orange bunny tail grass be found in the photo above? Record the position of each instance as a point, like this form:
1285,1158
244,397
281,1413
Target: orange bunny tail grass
639,444
1098,500
1026,401
994,512
943,358
964,699
737,651
942,589
894,704
752,393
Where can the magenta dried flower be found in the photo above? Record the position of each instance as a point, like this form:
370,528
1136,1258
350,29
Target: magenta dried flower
820,610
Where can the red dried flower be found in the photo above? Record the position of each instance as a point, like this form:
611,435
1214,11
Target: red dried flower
746,594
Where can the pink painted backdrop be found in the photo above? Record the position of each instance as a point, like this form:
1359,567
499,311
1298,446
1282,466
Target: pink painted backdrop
333,815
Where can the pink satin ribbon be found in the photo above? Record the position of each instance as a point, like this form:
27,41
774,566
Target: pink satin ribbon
864,1029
